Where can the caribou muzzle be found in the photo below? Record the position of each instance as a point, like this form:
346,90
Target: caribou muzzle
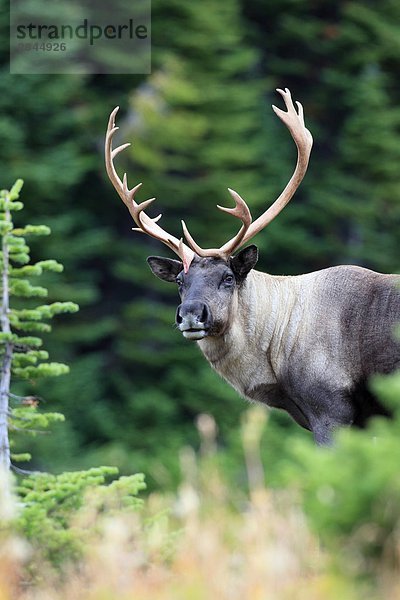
194,320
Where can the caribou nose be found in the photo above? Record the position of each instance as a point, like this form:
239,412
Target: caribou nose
197,311
193,319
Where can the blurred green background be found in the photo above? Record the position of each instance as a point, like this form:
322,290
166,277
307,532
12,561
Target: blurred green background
202,121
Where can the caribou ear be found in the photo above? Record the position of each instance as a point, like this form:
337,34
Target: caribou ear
242,263
166,269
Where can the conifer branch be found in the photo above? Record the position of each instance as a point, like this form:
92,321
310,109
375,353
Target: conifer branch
20,354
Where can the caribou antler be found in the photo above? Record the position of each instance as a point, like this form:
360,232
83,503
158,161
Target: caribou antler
144,223
294,121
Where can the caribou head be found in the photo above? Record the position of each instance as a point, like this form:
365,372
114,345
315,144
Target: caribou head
209,279
208,290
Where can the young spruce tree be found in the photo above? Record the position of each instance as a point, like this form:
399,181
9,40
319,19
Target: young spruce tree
47,503
21,354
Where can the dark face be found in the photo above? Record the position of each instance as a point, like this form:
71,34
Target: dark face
207,290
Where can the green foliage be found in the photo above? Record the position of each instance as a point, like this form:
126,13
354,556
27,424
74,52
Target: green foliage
351,492
20,357
19,252
50,505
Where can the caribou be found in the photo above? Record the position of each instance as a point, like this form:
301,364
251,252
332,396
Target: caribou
307,344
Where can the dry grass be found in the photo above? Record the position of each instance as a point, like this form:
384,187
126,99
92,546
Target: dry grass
206,542
264,551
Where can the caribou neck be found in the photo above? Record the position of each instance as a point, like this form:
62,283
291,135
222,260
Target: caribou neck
265,318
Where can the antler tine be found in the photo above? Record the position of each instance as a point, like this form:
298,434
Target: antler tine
242,212
192,244
144,223
134,208
109,153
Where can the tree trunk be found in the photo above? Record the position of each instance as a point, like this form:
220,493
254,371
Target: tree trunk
7,356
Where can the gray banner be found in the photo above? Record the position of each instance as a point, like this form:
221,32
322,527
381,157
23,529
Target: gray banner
65,36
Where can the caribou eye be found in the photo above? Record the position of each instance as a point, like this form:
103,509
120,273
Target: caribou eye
229,279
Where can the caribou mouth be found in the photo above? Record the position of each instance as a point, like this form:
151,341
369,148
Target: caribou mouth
194,334
191,326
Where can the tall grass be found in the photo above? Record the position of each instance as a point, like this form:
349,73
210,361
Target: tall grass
207,541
